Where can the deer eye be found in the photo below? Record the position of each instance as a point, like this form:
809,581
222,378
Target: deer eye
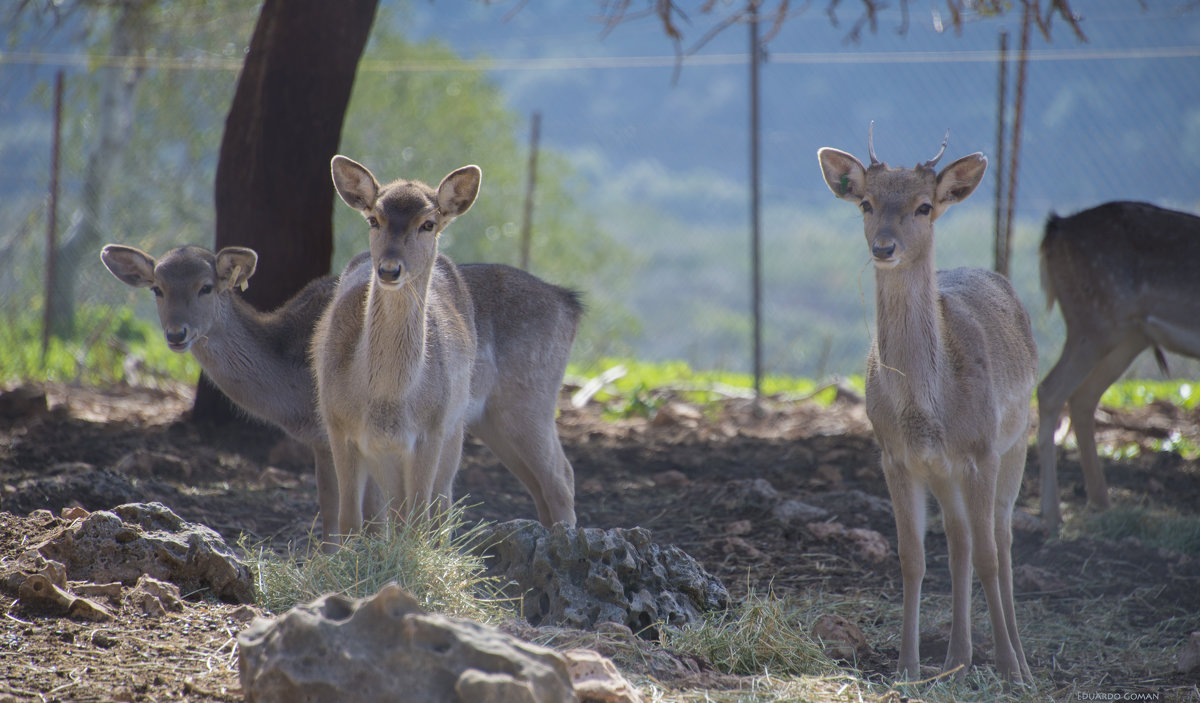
865,207
205,289
372,222
428,226
924,209
156,291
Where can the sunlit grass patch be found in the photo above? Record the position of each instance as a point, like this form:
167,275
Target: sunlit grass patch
638,385
1154,527
1140,392
430,557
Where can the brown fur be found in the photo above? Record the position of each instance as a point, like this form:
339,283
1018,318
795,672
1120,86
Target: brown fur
1124,276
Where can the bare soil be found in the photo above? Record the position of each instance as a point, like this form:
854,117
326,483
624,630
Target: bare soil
686,476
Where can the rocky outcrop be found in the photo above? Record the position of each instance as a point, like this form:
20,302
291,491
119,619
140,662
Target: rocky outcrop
149,539
385,648
580,577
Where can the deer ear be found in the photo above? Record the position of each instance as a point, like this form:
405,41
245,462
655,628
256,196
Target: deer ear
457,191
235,266
354,183
844,174
133,267
959,180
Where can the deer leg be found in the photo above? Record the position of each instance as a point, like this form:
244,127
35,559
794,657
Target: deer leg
1082,409
537,459
957,520
1076,362
327,491
449,459
351,481
908,506
1008,486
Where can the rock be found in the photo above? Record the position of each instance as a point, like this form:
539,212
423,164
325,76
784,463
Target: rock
40,593
671,478
841,638
385,648
753,494
23,403
676,414
597,680
143,463
147,538
791,512
1188,659
869,545
1029,579
154,597
738,528
578,577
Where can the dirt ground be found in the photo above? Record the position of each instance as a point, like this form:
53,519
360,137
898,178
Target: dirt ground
687,476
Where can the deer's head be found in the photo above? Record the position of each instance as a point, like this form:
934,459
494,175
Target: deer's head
900,205
188,283
404,217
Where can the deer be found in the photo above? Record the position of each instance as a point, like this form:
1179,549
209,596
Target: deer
949,384
1123,275
414,351
259,360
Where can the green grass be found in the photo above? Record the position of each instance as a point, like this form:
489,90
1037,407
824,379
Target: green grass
106,340
1140,392
430,557
1155,528
644,385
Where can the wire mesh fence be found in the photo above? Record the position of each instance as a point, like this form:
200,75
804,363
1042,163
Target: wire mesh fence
1097,120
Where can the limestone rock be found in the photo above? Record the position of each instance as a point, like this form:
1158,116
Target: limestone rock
578,577
385,648
597,680
147,538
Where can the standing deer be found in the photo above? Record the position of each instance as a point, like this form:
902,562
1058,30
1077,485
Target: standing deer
948,388
414,350
1124,276
259,360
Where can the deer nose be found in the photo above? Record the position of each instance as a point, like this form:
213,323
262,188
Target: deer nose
176,338
389,272
883,250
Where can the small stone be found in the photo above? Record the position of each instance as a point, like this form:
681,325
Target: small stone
791,512
869,545
672,478
739,527
596,678
1188,659
841,638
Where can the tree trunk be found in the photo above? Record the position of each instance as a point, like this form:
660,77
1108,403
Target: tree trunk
273,189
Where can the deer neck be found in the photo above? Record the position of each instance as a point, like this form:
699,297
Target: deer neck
395,331
231,352
908,322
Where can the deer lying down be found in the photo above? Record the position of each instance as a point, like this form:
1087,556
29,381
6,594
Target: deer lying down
949,381
1124,276
258,359
413,351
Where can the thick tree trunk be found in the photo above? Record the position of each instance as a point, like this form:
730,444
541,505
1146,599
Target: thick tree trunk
273,189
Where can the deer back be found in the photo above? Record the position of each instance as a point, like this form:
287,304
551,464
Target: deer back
1111,266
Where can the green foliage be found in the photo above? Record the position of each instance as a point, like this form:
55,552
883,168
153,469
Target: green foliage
1154,528
1141,392
642,378
111,343
428,556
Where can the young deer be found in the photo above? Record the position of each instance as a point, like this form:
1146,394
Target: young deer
1124,276
414,350
259,360
949,383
